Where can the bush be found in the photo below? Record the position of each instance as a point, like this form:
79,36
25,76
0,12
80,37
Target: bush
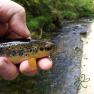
70,15
43,13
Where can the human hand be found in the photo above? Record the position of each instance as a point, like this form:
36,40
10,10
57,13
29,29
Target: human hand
13,25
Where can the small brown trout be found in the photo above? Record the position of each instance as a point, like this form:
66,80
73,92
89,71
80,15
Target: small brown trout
17,51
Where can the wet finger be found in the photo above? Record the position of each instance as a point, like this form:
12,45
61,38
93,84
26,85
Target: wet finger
3,29
45,63
13,35
7,70
26,69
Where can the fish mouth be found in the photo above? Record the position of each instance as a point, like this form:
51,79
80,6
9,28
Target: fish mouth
51,46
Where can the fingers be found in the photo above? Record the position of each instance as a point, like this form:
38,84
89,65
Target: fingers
17,23
44,64
7,70
3,29
13,35
5,32
14,14
26,69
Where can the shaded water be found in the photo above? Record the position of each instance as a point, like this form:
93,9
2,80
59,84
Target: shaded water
61,78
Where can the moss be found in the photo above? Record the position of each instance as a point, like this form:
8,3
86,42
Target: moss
43,14
70,15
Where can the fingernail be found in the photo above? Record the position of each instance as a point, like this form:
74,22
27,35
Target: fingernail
28,32
29,38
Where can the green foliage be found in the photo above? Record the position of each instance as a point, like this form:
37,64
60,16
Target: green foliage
85,8
37,22
47,14
70,15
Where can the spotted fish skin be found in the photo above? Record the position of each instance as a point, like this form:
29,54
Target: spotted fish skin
18,51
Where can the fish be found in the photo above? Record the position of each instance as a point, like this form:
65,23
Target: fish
32,50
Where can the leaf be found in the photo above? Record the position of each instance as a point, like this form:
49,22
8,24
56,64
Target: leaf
36,1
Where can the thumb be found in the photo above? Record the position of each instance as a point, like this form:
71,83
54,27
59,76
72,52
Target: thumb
17,24
14,14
